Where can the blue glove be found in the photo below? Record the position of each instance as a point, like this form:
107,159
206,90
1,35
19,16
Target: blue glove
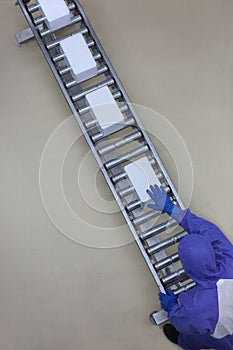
161,199
163,202
168,300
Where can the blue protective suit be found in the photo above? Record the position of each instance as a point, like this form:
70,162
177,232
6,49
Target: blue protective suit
207,257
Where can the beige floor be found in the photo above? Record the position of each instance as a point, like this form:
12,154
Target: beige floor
173,56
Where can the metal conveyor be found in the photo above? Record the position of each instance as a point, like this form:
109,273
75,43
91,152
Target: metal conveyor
112,129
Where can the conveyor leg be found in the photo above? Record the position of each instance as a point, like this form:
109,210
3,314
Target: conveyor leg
24,36
158,317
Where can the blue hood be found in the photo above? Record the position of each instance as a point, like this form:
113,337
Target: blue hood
198,258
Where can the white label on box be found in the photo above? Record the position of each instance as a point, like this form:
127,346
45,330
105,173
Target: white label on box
79,57
142,175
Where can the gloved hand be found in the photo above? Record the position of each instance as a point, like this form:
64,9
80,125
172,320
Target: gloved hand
168,300
161,199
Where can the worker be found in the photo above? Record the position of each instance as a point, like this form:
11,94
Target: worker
203,317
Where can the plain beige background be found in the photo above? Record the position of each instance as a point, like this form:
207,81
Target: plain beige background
173,56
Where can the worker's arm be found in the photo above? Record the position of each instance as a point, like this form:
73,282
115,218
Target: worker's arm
190,321
194,224
189,317
190,222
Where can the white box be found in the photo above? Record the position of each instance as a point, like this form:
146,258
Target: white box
105,110
79,57
142,175
56,12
